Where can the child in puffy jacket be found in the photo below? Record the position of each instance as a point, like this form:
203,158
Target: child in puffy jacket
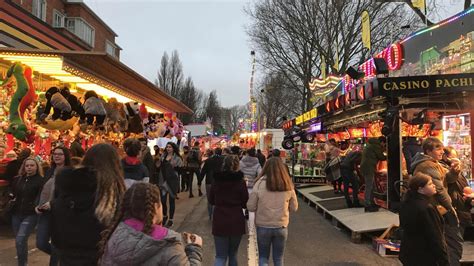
138,238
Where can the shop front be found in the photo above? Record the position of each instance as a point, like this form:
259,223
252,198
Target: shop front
51,97
427,91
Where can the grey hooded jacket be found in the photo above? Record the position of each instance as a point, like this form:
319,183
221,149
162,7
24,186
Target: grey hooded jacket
251,168
128,246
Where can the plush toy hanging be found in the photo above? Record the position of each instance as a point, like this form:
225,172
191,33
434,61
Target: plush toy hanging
116,117
21,100
133,117
55,100
94,109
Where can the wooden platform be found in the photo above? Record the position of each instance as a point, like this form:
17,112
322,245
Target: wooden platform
355,219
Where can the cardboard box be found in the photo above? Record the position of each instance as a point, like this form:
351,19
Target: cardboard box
383,246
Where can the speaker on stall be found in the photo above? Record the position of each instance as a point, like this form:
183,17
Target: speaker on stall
381,66
354,74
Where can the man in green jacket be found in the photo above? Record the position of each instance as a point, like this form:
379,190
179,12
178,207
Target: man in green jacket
371,155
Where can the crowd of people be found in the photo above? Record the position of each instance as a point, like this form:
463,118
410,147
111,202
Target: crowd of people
110,205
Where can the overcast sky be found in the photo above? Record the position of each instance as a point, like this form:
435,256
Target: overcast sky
209,36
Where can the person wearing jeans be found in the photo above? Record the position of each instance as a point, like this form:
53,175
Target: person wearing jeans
26,190
272,198
274,238
226,247
43,235
228,195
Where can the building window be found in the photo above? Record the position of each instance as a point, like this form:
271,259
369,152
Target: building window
110,48
81,29
58,19
39,9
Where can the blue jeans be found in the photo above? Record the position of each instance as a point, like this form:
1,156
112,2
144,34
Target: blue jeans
164,198
23,226
226,247
274,238
43,235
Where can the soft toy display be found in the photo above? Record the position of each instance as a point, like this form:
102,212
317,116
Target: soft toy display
116,117
94,109
133,117
21,100
55,100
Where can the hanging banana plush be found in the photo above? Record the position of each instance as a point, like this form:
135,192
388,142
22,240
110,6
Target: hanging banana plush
21,99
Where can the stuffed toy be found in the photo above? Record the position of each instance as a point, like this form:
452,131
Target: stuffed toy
94,108
20,101
133,117
61,107
76,106
116,117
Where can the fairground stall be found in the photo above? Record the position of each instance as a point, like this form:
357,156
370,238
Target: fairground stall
51,97
420,86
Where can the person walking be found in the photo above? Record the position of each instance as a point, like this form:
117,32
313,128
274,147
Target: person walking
371,155
61,158
133,169
87,201
146,158
229,196
186,174
261,157
456,184
137,236
194,160
13,166
211,167
272,198
26,189
428,163
171,162
350,178
423,241
250,166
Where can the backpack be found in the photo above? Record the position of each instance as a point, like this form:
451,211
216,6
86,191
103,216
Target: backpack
193,156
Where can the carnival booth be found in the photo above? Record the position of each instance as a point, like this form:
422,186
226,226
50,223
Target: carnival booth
420,86
50,97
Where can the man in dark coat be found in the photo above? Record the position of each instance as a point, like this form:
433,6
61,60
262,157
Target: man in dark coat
76,148
348,167
147,158
371,155
261,157
212,166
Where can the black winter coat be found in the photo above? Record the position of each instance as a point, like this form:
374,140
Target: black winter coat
229,196
26,190
423,241
211,167
75,230
135,172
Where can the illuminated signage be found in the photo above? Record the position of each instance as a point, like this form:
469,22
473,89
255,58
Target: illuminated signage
425,84
315,127
306,116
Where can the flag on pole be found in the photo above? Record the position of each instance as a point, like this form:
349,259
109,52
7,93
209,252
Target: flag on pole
418,4
365,29
323,67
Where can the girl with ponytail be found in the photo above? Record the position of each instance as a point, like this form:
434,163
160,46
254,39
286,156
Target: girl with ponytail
137,237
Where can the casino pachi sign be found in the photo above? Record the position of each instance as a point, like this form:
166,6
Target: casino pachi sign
415,85
393,55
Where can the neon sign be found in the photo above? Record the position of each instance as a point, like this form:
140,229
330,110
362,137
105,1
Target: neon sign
393,55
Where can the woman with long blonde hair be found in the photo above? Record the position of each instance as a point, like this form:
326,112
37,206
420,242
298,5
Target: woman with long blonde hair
26,189
272,198
87,202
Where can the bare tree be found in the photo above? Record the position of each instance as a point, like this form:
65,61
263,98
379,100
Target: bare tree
292,36
432,6
275,101
232,117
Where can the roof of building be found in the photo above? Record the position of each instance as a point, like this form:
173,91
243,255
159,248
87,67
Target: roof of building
114,72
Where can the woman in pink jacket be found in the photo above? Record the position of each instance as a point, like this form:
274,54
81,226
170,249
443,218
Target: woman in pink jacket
272,198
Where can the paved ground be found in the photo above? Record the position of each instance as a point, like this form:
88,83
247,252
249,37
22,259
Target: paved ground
312,239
